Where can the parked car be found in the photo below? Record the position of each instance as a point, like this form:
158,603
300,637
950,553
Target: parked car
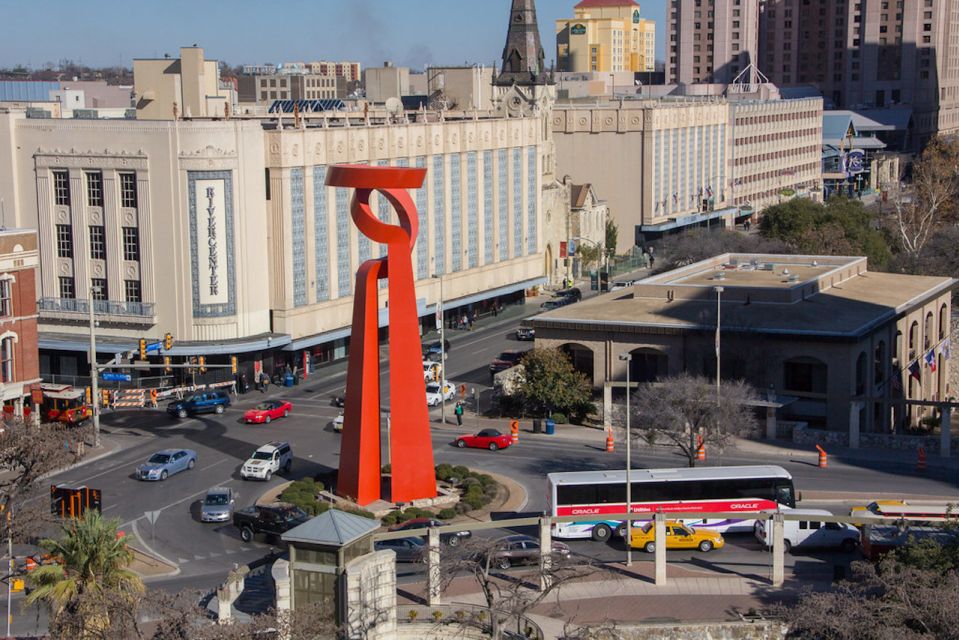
573,294
272,520
678,536
217,505
202,402
431,370
621,284
338,422
555,303
406,549
526,333
520,549
266,412
437,347
433,395
809,533
269,459
486,439
506,360
450,539
338,401
163,464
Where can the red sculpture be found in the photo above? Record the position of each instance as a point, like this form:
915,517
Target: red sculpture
411,448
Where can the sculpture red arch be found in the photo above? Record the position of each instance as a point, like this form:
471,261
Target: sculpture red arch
411,448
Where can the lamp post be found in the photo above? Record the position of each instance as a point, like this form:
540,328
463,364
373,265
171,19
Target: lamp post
719,298
94,374
442,317
628,359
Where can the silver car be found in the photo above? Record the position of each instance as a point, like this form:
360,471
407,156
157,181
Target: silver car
217,505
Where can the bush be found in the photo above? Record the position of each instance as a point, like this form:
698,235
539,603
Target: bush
491,492
303,494
462,507
460,472
559,418
363,513
446,514
392,518
486,480
470,482
474,501
444,471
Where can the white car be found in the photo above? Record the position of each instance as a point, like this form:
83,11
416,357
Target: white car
433,395
269,459
431,370
338,422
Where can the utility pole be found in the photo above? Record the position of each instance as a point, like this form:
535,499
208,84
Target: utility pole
10,568
719,297
442,317
94,374
628,359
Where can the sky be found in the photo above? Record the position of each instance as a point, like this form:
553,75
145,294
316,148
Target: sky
410,33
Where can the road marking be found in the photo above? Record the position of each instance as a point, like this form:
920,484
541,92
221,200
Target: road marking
182,500
221,461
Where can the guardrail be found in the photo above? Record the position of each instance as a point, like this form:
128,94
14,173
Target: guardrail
102,307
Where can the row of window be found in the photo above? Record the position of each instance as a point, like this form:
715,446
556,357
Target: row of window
98,245
778,117
99,290
777,155
94,180
773,137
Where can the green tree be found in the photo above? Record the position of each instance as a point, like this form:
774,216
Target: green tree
612,236
588,255
90,591
549,384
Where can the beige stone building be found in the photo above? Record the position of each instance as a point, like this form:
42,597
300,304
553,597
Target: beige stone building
821,337
460,88
606,36
579,218
711,42
388,81
188,86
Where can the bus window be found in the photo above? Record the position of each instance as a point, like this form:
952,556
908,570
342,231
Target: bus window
785,495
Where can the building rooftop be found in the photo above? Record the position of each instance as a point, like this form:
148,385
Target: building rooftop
332,528
592,4
779,294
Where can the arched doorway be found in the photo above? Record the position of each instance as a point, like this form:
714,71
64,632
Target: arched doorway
581,357
549,263
648,365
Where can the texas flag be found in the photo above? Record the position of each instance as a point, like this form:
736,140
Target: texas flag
931,360
915,370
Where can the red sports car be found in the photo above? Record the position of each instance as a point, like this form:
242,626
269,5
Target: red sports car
266,411
486,439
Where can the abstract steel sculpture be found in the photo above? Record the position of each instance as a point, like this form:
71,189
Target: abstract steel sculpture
411,448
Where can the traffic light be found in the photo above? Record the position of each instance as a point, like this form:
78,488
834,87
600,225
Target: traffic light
143,348
233,366
167,361
104,398
88,395
168,342
202,364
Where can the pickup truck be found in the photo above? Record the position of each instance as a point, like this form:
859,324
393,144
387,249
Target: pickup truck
271,520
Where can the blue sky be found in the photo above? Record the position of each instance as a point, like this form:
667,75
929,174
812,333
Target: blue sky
408,32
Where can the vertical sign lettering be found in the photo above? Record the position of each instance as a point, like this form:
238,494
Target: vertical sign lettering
211,259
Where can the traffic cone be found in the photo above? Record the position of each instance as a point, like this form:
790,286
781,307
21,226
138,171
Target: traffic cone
514,431
700,450
921,462
609,441
822,457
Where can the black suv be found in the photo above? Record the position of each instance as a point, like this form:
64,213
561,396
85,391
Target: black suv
272,520
200,402
452,539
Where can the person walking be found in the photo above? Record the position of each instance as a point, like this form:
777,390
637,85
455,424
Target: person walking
459,414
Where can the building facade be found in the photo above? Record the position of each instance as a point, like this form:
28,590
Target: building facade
460,88
711,42
869,54
188,86
606,36
19,355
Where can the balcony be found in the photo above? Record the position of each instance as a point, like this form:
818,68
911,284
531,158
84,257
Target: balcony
108,311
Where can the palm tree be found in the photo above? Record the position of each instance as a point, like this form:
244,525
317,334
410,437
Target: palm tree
91,577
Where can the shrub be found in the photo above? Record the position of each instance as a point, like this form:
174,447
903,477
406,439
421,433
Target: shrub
363,513
474,501
446,514
470,482
460,472
444,471
462,507
559,418
485,480
491,492
302,494
392,517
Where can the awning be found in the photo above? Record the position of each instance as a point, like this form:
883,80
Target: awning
61,391
685,221
106,344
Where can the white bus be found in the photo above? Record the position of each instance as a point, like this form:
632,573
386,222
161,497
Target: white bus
704,489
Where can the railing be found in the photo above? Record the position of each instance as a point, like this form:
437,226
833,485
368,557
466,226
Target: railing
101,307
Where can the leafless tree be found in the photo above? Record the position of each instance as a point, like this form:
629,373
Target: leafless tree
920,210
684,408
607,630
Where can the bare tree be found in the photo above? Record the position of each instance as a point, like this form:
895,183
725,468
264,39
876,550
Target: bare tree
607,630
919,211
684,408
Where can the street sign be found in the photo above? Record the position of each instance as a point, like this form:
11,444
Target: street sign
116,377
152,516
154,347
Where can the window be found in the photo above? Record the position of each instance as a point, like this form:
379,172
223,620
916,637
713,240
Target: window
6,360
805,375
128,190
6,298
943,321
98,288
64,241
61,188
94,189
98,244
67,288
131,243
927,334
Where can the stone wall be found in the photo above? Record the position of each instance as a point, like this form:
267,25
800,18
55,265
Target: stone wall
802,434
371,596
762,630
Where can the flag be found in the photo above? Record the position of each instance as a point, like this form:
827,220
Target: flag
946,348
931,360
675,198
915,371
709,191
897,380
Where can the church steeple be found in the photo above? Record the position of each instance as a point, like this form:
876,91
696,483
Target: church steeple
523,57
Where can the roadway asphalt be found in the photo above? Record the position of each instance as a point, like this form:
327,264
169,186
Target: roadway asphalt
205,553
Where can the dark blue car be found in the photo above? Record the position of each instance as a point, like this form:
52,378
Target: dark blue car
202,402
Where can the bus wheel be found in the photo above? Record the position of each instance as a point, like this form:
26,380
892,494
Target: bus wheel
602,532
621,530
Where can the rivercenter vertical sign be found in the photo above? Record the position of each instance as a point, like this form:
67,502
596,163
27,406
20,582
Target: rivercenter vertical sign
211,241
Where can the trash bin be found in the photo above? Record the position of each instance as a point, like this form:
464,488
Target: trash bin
550,427
537,426
288,380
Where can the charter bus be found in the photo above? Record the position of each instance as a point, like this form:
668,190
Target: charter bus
703,489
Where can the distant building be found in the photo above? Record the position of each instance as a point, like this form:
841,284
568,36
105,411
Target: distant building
605,36
581,222
461,87
854,158
186,87
19,353
388,81
711,42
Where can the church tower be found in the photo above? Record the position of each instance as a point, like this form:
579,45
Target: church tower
523,86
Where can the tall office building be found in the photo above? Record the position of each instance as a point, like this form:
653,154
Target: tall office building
711,42
869,55
606,36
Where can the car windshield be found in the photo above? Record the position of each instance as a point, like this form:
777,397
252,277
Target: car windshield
262,455
293,514
216,499
263,406
432,388
159,458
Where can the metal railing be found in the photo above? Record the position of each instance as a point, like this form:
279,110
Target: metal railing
102,307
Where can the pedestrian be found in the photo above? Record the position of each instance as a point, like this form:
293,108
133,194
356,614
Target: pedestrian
652,261
495,309
472,319
464,323
459,414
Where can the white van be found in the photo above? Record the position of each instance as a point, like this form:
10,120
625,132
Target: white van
807,533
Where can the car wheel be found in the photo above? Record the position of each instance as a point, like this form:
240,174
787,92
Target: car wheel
164,475
286,413
288,466
787,546
191,464
848,545
219,408
602,532
181,413
650,547
493,446
246,534
268,476
705,546
503,563
454,541
268,420
621,530
461,444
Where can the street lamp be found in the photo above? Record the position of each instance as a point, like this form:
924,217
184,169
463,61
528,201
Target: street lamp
719,298
94,374
441,316
628,359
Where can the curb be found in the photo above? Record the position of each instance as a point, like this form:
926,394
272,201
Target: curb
146,550
115,446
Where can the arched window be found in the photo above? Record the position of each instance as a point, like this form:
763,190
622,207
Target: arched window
879,362
913,339
861,374
943,321
928,333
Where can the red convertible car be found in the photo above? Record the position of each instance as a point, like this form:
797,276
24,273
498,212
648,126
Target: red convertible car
266,411
486,439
